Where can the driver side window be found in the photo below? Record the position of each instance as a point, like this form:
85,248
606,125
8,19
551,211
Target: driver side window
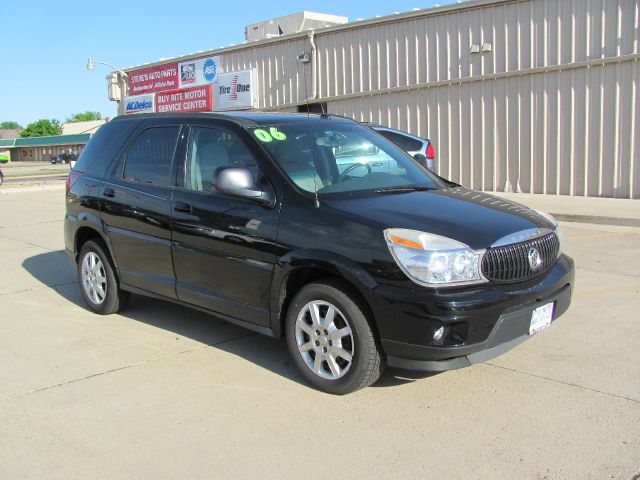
209,150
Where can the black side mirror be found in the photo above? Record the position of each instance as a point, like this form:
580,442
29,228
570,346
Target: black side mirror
421,159
239,182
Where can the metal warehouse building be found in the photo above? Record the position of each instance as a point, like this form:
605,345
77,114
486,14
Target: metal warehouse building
537,96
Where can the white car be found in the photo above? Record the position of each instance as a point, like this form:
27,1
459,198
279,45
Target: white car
419,148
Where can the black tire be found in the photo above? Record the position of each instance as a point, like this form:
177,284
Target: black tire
114,299
366,362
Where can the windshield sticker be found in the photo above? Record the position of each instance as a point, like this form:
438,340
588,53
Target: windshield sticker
269,136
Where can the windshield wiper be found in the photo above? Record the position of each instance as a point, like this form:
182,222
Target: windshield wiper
405,189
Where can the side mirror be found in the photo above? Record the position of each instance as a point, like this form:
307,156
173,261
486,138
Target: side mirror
421,159
239,182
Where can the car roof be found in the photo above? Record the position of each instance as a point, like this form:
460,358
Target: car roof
243,118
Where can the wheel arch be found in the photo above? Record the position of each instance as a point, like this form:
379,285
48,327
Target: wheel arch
300,268
91,227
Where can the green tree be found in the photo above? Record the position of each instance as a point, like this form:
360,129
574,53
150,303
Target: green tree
10,126
42,128
84,117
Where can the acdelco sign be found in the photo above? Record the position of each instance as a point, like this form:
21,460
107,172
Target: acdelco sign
139,104
235,91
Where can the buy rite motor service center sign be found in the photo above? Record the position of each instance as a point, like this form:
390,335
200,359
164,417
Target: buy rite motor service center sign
193,99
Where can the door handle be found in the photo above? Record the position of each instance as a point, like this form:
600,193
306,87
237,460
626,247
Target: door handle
182,207
109,192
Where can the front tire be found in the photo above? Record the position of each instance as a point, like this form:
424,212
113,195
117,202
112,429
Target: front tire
330,339
98,283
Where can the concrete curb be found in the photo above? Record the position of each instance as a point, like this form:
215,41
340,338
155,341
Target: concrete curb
598,220
595,210
8,190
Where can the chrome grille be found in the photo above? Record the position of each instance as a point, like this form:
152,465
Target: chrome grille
510,263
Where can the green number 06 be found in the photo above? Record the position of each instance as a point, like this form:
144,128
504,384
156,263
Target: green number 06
272,134
277,135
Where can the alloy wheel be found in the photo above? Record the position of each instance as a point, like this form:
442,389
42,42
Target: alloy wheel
325,339
94,279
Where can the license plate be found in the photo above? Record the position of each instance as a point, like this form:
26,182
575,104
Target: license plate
541,318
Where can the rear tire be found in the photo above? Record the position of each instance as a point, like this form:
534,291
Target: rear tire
98,282
331,340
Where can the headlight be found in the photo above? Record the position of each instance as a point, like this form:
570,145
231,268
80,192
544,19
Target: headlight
432,260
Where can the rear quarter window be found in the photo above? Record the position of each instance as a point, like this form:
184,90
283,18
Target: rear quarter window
103,147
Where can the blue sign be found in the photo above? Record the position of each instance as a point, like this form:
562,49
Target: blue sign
209,70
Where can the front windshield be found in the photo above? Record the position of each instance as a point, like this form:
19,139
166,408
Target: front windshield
338,157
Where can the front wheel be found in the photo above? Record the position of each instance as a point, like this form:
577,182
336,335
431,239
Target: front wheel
330,339
98,282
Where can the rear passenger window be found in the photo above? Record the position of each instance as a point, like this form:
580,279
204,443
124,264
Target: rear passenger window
149,159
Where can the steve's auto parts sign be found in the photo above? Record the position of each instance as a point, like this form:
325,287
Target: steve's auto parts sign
153,79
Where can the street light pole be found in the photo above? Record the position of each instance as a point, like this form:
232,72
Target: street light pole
121,74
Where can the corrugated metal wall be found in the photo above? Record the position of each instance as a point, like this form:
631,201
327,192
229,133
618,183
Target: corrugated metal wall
551,109
280,75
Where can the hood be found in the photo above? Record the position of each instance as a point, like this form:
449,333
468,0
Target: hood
474,218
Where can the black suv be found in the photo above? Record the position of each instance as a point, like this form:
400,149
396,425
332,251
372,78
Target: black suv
316,228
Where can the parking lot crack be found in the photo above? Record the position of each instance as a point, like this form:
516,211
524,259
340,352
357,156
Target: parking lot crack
125,367
54,286
542,377
99,374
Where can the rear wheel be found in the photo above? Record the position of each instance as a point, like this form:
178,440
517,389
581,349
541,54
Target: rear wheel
330,339
98,283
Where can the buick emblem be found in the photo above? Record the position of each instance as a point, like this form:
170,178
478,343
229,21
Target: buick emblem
534,259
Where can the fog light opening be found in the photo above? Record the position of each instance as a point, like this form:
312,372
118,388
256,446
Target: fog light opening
437,335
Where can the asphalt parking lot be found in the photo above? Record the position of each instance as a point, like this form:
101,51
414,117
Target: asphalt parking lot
162,391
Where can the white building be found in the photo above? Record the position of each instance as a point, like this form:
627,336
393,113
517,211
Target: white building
82,127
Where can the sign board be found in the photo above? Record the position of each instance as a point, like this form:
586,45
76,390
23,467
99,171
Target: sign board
236,91
153,79
139,104
193,99
198,71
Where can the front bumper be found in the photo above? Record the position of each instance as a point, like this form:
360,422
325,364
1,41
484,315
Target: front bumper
495,319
